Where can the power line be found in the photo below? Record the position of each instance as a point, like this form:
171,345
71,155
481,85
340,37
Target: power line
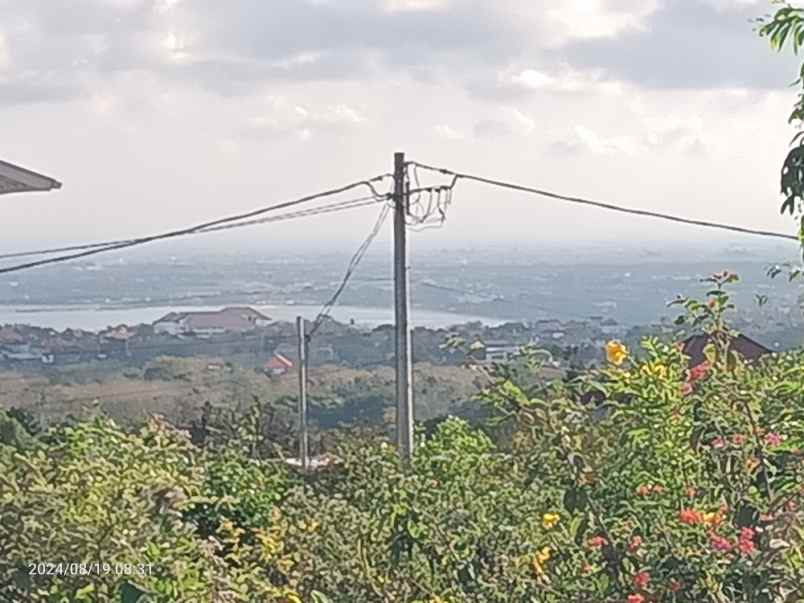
333,207
207,226
607,206
353,264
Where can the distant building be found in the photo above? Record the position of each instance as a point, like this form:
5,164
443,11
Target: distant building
15,347
501,352
609,326
745,346
205,324
278,365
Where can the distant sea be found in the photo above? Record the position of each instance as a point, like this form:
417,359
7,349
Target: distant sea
96,318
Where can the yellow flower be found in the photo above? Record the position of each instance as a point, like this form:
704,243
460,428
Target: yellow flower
713,519
616,352
540,559
656,369
549,520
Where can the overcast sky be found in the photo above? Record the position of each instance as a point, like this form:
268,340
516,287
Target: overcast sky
162,113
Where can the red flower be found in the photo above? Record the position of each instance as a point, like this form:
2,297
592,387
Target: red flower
674,585
596,542
746,541
641,580
738,439
699,372
690,517
720,544
635,598
634,545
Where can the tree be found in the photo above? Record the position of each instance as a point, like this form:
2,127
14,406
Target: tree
787,26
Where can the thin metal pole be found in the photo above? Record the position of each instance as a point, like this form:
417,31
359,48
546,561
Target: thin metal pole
303,452
404,373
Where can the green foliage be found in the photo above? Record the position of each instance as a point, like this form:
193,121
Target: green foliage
238,489
98,495
677,484
13,432
785,27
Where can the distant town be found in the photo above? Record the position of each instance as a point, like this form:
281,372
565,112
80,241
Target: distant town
254,339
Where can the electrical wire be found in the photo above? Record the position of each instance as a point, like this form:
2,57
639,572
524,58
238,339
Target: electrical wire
206,226
324,209
353,264
603,205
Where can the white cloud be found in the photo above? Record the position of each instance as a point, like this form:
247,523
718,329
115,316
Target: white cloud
446,132
284,117
299,60
415,5
565,80
585,19
165,6
535,80
592,141
519,122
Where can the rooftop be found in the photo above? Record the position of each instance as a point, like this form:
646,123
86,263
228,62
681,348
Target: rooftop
16,179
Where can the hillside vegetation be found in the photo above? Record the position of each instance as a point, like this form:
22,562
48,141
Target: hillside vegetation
681,485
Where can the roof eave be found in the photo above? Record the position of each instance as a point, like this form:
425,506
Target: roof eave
22,180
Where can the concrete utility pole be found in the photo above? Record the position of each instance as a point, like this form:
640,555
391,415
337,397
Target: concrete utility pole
404,372
303,452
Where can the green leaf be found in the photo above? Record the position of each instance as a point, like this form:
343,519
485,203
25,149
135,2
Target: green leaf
82,594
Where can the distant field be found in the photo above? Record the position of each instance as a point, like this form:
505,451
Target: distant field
177,388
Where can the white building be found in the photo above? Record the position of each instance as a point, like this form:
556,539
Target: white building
208,323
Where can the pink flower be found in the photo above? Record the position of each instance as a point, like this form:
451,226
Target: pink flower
641,580
635,598
773,439
717,442
634,545
738,439
746,541
699,372
720,544
596,542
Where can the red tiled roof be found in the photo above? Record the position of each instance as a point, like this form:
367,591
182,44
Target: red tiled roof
231,319
746,347
278,362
